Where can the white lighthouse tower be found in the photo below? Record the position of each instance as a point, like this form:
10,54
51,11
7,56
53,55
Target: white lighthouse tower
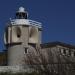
21,34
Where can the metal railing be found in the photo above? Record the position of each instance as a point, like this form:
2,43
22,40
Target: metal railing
26,21
35,23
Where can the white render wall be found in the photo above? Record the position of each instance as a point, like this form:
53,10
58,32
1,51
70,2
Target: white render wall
15,55
14,69
10,68
16,51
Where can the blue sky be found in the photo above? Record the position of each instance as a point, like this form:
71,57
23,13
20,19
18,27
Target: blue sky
57,17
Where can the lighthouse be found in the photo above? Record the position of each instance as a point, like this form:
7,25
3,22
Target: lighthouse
21,37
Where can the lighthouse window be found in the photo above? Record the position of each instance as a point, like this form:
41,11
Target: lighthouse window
26,51
25,15
6,35
18,32
18,35
21,15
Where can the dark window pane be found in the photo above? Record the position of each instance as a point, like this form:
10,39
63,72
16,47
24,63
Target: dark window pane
64,51
69,52
26,50
74,53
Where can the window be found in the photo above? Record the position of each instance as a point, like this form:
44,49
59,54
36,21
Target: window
18,31
22,15
74,53
25,50
61,50
69,52
64,51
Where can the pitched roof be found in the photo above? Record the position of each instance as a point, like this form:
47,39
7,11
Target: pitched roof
51,44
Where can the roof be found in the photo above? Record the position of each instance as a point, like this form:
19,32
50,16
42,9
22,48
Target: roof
52,44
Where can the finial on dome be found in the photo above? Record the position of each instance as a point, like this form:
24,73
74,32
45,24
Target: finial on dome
21,9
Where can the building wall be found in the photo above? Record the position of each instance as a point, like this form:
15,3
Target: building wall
61,60
56,58
60,52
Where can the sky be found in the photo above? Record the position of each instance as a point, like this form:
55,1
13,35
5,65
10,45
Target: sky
57,18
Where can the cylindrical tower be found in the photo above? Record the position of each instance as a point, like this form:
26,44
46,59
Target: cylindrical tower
19,34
